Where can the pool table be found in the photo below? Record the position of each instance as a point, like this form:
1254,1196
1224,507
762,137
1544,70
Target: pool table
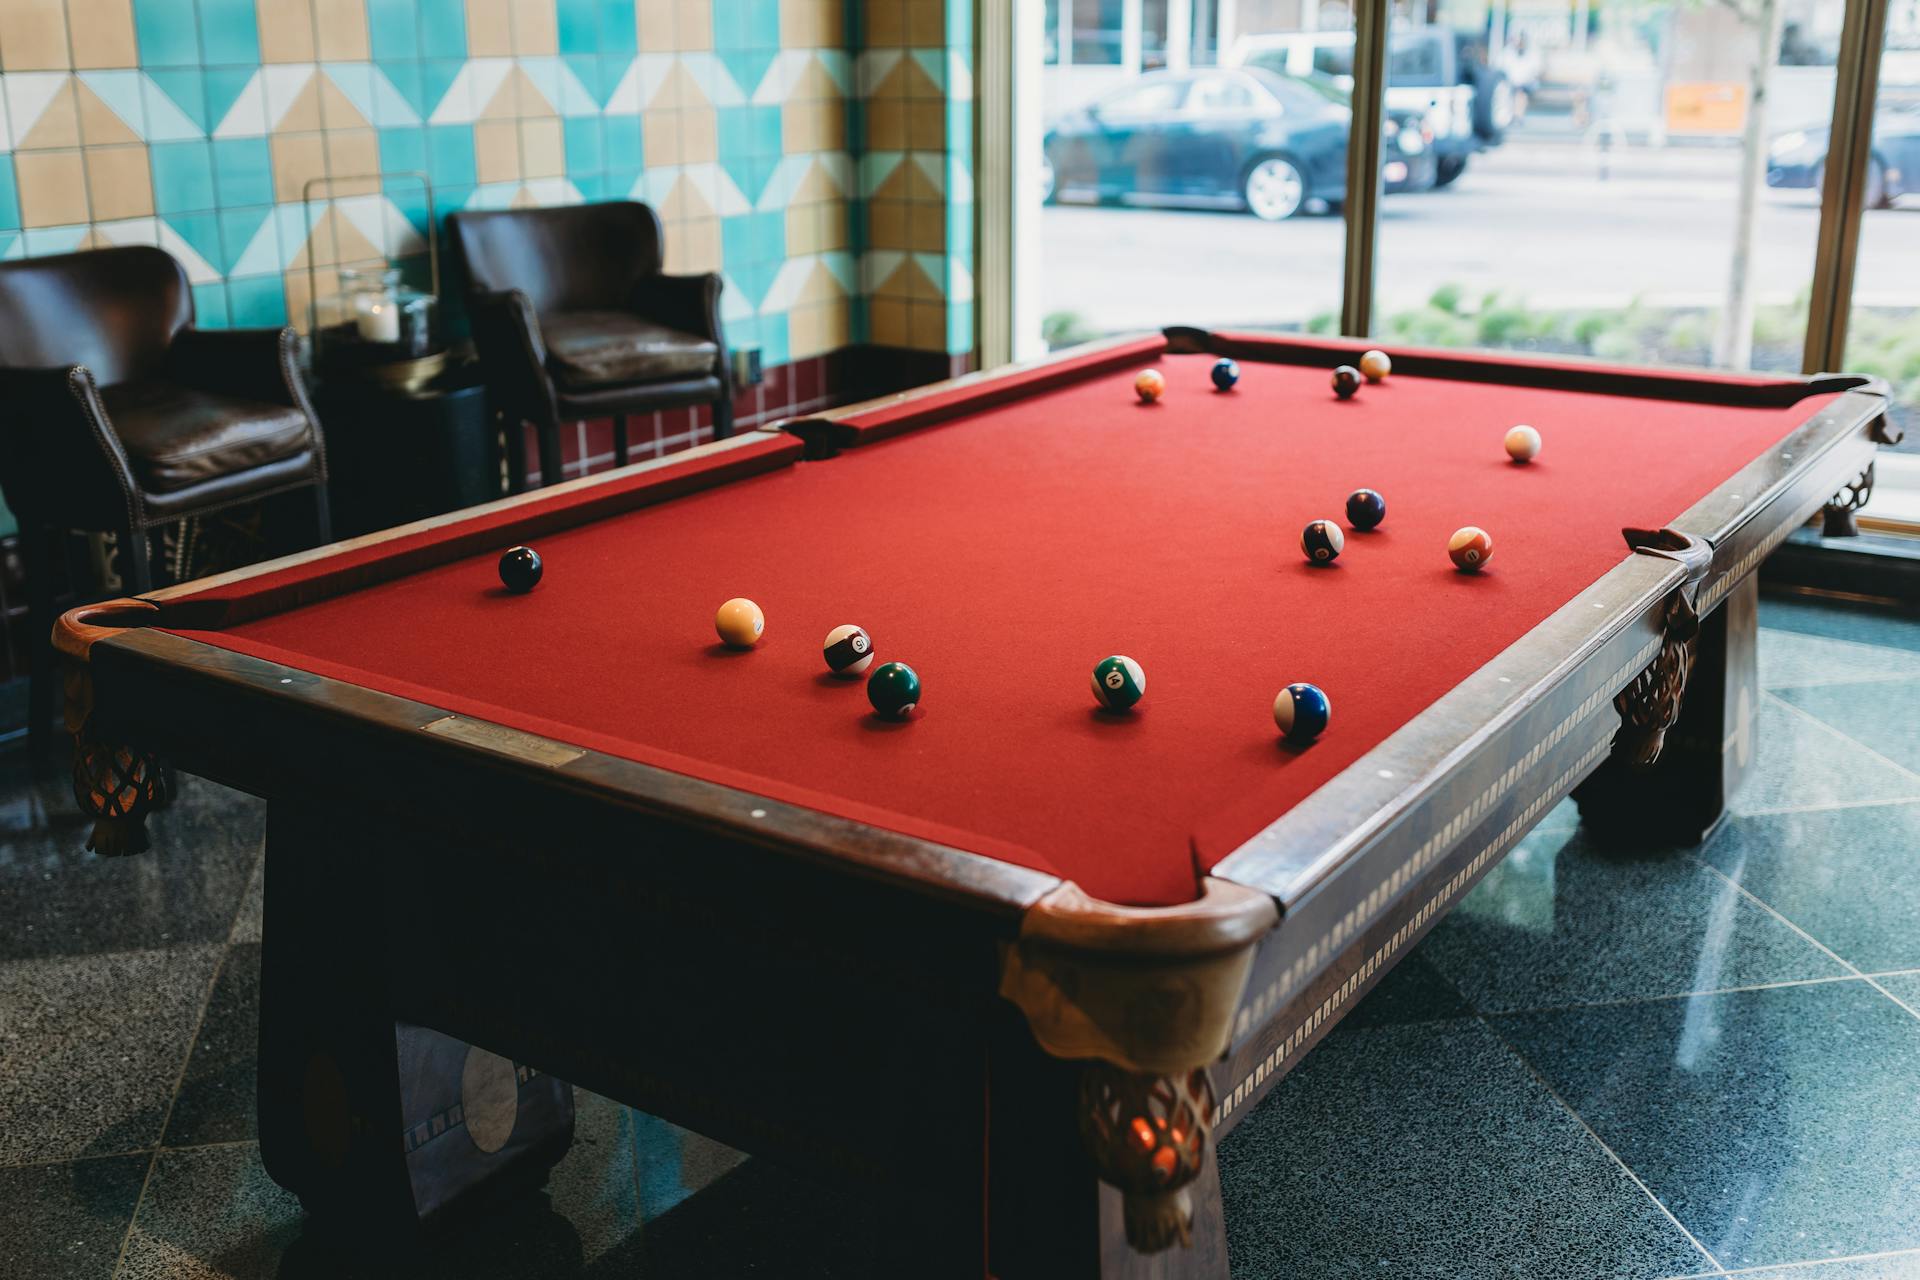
1017,958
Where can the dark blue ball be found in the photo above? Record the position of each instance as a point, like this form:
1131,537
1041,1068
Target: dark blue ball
1365,509
1302,712
1225,374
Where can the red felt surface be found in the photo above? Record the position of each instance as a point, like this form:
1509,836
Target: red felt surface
1002,553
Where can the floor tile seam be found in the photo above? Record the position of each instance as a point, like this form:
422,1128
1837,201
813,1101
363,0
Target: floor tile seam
1669,996
1844,736
1603,1144
1799,1264
1853,970
1829,807
173,1101
85,1157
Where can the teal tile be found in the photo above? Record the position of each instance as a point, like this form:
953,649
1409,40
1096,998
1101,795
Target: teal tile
438,76
240,229
774,347
210,306
170,93
1845,876
228,33
9,197
393,29
960,334
450,155
443,28
578,23
747,66
617,30
403,148
223,87
1413,991
257,301
182,177
730,27
1793,659
622,137
168,33
1405,1152
1890,1266
1563,921
408,80
201,231
585,146
1776,1125
242,171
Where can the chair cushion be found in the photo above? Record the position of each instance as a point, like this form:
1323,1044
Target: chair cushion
605,348
177,437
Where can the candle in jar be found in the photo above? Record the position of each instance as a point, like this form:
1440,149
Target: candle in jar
377,319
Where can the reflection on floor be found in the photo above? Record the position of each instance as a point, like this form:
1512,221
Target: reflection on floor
1638,1065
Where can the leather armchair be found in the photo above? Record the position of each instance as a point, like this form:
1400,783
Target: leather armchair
574,318
118,415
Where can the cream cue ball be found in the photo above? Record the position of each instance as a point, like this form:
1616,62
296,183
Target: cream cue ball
1523,444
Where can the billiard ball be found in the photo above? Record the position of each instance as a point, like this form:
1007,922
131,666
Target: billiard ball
520,569
1148,385
1302,712
894,690
1375,366
740,623
849,651
1346,381
1523,444
1225,374
1118,682
1470,548
1322,541
1365,509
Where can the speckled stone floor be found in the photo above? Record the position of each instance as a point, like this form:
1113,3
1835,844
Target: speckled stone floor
1603,1064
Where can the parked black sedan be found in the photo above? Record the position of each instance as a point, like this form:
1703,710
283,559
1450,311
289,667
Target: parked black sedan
1241,135
1798,158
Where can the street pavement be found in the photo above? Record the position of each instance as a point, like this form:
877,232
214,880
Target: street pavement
1554,224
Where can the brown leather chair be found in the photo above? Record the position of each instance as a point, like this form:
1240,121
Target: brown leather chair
574,318
117,414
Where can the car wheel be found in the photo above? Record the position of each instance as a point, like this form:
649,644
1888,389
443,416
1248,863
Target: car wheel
1274,189
1048,191
1448,168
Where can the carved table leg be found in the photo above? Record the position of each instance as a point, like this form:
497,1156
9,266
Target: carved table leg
114,784
1705,750
1839,522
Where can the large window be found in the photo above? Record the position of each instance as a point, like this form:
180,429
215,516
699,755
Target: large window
1607,184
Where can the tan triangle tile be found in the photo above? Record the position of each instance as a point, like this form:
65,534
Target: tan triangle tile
335,239
336,108
815,186
525,199
100,124
303,114
505,102
58,125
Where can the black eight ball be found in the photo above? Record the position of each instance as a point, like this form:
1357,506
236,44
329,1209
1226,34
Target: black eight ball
520,569
1346,381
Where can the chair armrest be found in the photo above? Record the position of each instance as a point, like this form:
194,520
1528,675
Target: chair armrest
60,460
691,303
250,364
506,334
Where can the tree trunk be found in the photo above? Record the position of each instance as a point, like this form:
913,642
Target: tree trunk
1733,343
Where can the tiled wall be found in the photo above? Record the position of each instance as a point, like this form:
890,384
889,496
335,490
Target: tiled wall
817,152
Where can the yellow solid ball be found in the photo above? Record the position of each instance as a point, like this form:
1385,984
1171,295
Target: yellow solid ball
1375,366
740,623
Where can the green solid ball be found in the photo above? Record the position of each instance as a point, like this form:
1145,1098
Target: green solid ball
1118,682
894,690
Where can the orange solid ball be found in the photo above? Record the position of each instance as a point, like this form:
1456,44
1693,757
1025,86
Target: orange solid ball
1470,548
1148,385
740,623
